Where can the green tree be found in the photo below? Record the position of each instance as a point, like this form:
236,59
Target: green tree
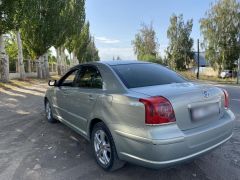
118,58
12,50
84,46
51,23
91,53
69,25
41,24
37,31
6,24
13,22
7,16
221,28
82,42
20,6
145,43
77,19
179,51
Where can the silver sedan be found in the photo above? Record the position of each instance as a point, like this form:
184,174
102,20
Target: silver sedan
138,112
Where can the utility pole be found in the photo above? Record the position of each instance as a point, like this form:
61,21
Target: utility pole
238,62
198,59
238,70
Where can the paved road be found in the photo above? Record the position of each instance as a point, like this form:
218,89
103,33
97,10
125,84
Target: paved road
31,148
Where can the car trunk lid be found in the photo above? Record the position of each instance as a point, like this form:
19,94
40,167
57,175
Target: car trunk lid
185,97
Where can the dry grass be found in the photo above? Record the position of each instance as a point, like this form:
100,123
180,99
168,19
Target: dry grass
187,74
31,86
191,76
23,83
55,77
28,81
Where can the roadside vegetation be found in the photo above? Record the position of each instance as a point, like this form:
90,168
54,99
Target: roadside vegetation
192,76
220,29
29,28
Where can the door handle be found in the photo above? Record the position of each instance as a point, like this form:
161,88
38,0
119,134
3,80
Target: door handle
66,93
91,98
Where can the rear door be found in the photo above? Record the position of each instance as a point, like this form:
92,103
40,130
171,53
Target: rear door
88,87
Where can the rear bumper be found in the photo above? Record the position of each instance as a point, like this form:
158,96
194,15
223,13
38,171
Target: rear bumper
174,148
167,163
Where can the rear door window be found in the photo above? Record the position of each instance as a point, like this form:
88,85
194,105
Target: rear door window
89,77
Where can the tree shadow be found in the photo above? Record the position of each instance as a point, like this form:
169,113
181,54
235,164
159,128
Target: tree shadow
31,88
19,90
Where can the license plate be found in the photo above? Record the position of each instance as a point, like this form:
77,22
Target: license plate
205,111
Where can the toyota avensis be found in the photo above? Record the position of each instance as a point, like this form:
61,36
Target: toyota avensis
140,112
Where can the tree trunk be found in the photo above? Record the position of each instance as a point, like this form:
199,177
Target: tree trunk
75,60
17,69
63,59
34,66
44,74
39,67
59,63
29,66
20,57
56,67
4,61
52,67
70,60
46,65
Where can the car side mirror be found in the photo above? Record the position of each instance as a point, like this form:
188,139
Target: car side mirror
52,82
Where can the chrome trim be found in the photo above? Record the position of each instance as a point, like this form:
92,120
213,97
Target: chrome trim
162,124
70,124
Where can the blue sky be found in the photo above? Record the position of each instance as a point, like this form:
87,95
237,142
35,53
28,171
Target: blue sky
114,23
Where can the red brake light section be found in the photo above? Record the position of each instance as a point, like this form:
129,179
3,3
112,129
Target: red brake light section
226,99
158,110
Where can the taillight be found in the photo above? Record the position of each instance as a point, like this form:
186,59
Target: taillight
158,110
226,99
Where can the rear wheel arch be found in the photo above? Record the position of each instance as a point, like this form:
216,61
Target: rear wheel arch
92,123
48,111
115,163
45,100
95,121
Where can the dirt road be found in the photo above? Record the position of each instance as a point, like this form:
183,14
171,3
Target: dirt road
31,148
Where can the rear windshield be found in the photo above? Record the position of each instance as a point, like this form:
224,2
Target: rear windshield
141,75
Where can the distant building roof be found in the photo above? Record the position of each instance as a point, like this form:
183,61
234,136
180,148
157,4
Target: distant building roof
202,60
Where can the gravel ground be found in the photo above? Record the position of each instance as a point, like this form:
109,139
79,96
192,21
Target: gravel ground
31,148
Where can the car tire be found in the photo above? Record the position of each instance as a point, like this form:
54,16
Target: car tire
48,112
104,148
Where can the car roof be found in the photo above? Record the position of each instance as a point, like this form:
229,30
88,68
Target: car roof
121,62
113,63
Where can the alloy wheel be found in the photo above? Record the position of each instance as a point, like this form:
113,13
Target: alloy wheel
48,111
102,147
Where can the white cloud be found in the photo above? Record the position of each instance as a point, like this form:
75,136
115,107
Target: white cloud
124,53
106,40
